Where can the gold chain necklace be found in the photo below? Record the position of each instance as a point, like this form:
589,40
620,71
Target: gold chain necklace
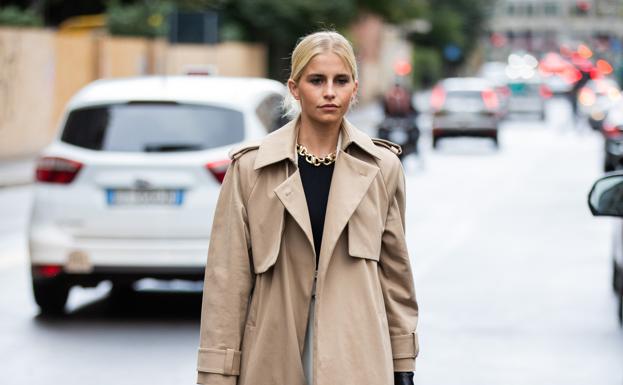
313,159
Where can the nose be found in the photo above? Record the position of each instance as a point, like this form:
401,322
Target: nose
329,91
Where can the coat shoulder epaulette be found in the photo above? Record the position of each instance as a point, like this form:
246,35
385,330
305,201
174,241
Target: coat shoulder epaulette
242,149
393,147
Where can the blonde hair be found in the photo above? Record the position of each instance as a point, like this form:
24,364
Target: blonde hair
306,49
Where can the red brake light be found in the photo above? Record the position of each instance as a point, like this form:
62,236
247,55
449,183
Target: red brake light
437,98
611,131
57,170
545,92
218,168
47,271
490,99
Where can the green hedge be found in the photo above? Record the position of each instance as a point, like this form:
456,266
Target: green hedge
141,19
15,16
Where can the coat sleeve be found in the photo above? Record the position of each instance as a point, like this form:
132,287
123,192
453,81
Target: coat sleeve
396,280
227,285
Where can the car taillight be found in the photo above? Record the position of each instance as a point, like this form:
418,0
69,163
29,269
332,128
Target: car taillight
545,92
611,131
490,99
437,98
218,168
47,271
57,170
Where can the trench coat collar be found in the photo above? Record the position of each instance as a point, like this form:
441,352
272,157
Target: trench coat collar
350,182
281,144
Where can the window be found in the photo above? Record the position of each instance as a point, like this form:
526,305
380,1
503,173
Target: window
153,127
550,9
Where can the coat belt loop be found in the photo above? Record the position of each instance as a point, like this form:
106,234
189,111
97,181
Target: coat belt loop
229,361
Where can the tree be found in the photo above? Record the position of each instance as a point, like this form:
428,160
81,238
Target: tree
457,26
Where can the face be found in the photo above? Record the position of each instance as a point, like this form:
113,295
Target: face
325,89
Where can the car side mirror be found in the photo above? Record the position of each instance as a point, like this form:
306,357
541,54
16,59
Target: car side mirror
606,196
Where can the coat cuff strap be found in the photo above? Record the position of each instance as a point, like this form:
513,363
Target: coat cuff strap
220,361
405,346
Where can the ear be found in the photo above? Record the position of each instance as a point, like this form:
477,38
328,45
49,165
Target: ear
294,89
355,90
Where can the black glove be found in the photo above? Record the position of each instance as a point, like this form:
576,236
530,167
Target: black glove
403,378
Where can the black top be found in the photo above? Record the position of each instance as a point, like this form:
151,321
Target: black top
316,183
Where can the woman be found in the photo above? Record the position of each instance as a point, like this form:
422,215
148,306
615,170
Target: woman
308,279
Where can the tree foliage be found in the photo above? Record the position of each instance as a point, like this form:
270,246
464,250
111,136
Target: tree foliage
454,23
14,16
139,19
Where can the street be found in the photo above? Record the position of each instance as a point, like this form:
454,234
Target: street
513,277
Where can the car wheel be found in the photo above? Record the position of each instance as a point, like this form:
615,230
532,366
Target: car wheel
435,142
608,167
496,143
51,296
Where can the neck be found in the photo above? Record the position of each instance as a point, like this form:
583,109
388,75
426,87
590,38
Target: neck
320,139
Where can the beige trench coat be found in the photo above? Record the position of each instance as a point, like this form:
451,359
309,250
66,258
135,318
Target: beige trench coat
261,265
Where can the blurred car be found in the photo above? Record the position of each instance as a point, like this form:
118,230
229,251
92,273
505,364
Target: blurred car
128,188
465,107
528,97
612,130
495,72
596,98
606,199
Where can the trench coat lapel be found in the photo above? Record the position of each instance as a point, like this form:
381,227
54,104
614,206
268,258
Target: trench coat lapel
292,196
350,182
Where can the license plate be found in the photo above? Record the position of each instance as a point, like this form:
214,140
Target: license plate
127,197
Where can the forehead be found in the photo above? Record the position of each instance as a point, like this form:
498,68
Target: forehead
327,63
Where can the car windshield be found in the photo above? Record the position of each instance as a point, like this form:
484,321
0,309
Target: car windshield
468,101
153,127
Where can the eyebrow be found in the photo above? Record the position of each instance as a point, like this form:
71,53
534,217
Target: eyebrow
323,75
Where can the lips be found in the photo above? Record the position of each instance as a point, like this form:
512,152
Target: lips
329,106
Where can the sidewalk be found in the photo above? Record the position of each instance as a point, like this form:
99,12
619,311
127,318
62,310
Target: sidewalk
15,172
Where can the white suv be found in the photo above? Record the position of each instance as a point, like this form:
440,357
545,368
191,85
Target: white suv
127,190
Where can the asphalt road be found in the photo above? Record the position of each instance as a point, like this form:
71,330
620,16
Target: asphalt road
512,277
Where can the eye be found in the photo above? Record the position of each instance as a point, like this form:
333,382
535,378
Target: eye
342,80
315,81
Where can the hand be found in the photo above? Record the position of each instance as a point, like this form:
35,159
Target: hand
403,378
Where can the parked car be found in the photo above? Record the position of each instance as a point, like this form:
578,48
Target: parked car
128,188
606,199
612,130
465,107
596,98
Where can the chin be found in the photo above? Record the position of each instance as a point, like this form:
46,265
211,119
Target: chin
329,118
